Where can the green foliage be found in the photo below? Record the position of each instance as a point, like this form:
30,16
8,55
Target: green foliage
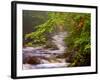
79,41
40,35
29,44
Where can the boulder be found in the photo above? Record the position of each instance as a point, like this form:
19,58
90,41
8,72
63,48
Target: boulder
33,60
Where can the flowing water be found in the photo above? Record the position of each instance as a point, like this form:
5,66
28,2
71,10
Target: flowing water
45,58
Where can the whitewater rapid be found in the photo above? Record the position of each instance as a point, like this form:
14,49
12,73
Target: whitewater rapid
45,54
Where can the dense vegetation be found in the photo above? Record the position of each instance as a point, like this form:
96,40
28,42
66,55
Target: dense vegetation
77,25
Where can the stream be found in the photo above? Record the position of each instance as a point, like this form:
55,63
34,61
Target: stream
39,57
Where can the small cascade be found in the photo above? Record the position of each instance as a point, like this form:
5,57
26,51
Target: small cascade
39,57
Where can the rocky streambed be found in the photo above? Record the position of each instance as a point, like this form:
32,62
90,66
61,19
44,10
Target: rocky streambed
39,57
